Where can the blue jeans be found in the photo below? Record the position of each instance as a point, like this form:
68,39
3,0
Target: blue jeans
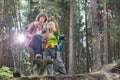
36,45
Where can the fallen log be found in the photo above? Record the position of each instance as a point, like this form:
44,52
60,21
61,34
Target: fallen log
106,72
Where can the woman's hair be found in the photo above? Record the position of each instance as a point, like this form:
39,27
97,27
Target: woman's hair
40,15
52,24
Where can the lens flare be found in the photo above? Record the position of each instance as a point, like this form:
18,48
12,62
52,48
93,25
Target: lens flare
21,38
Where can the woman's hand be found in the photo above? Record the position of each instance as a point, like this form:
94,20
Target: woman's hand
56,24
53,18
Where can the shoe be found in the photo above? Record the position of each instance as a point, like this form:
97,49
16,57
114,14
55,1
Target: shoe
48,61
37,56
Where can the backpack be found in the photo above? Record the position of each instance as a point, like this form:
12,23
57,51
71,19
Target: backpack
60,37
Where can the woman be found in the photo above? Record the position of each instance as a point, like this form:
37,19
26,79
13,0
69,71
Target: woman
50,48
34,32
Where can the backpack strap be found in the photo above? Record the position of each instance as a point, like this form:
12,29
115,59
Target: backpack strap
56,34
58,47
35,25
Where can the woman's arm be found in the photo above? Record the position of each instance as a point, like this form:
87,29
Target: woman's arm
56,24
29,30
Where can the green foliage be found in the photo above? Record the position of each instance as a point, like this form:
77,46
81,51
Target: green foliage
5,72
114,29
113,1
27,63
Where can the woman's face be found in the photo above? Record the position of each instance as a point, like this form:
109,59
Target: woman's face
50,26
41,19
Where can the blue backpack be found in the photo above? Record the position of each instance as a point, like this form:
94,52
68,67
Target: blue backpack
60,37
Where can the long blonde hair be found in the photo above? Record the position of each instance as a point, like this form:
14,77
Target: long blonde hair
51,22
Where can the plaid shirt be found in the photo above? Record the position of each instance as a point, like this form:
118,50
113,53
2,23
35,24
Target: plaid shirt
32,29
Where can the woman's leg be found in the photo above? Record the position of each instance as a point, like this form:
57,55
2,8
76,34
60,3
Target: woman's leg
36,45
59,64
49,66
57,61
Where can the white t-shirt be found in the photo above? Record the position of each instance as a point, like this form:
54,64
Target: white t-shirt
38,32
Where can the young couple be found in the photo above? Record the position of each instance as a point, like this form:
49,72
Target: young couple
36,41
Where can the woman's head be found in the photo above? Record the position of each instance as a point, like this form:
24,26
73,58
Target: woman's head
42,17
51,26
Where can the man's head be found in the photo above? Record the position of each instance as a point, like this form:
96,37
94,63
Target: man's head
41,17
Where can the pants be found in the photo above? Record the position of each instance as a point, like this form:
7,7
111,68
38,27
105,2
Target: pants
51,52
36,45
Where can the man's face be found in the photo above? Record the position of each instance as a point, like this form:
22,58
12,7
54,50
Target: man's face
41,19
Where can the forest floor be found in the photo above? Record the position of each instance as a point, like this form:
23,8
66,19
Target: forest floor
106,72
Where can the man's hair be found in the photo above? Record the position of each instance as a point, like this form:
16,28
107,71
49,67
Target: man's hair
40,15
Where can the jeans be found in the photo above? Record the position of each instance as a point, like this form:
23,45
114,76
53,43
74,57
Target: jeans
36,45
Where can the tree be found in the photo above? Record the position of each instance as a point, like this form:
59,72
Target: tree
87,43
2,33
30,11
105,55
72,59
96,35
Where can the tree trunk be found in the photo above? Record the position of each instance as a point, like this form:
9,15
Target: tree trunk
72,61
2,34
30,11
96,36
87,44
19,16
10,50
64,27
105,55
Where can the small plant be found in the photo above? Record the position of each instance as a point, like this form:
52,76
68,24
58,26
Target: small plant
5,72
27,63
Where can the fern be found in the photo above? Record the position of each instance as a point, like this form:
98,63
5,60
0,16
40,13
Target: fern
5,72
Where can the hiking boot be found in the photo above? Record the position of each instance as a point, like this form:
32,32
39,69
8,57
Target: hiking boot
48,61
37,56
44,65
38,60
39,64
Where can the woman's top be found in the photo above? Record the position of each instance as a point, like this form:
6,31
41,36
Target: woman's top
52,40
32,29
